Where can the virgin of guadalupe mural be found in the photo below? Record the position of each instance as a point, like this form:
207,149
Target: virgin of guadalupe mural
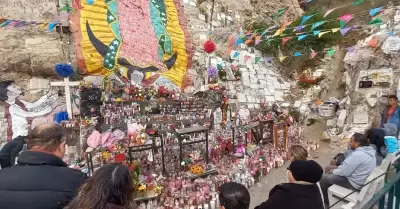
19,113
146,41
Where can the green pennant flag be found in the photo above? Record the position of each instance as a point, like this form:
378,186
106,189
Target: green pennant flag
342,24
376,21
358,2
67,8
331,52
279,13
257,59
219,67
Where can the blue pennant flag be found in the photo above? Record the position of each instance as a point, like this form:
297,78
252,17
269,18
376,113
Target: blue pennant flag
317,24
375,11
297,54
301,37
316,32
305,18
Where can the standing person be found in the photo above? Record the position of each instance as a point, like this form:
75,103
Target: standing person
391,142
354,170
40,180
391,114
10,151
301,191
376,137
233,195
110,187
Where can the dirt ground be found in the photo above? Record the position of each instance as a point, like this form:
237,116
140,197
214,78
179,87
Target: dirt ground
323,156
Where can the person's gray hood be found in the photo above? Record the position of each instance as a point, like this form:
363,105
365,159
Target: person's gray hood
357,166
390,129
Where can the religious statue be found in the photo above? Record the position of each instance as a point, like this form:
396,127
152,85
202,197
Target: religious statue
18,112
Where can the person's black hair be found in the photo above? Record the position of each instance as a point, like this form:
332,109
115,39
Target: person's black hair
110,184
376,136
393,97
3,89
361,139
233,195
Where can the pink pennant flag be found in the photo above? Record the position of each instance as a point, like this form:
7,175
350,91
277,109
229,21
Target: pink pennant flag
328,12
346,18
313,54
258,41
344,31
246,58
284,40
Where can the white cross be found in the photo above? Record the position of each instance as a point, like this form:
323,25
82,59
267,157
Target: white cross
67,84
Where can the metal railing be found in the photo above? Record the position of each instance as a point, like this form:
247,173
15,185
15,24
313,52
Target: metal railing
388,197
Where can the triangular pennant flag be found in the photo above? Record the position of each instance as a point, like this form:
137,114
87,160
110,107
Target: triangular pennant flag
298,28
284,40
257,59
331,52
391,33
346,18
246,58
351,49
277,33
334,30
376,21
313,54
373,42
239,41
316,32
322,33
264,32
358,2
5,23
345,30
281,59
267,59
317,24
305,18
297,54
283,28
328,12
375,11
258,37
301,37
236,54
342,24
52,25
43,25
279,13
258,41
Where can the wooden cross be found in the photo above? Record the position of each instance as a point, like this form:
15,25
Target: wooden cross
67,84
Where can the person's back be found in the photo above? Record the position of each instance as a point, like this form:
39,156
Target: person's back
391,142
376,137
302,191
10,151
40,180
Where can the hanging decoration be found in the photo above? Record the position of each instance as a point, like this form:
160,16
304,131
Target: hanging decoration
281,59
376,21
358,2
328,12
301,37
64,70
257,59
11,23
279,13
331,52
284,40
345,30
313,54
322,33
305,18
246,58
267,59
297,54
317,24
346,18
375,11
209,46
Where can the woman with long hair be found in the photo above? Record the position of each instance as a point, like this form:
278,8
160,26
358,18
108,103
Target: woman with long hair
376,137
110,187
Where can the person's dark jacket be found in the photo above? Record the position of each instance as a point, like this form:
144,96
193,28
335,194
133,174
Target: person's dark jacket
12,149
39,181
293,196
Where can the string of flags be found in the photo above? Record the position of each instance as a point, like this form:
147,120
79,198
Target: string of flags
268,59
11,23
257,36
